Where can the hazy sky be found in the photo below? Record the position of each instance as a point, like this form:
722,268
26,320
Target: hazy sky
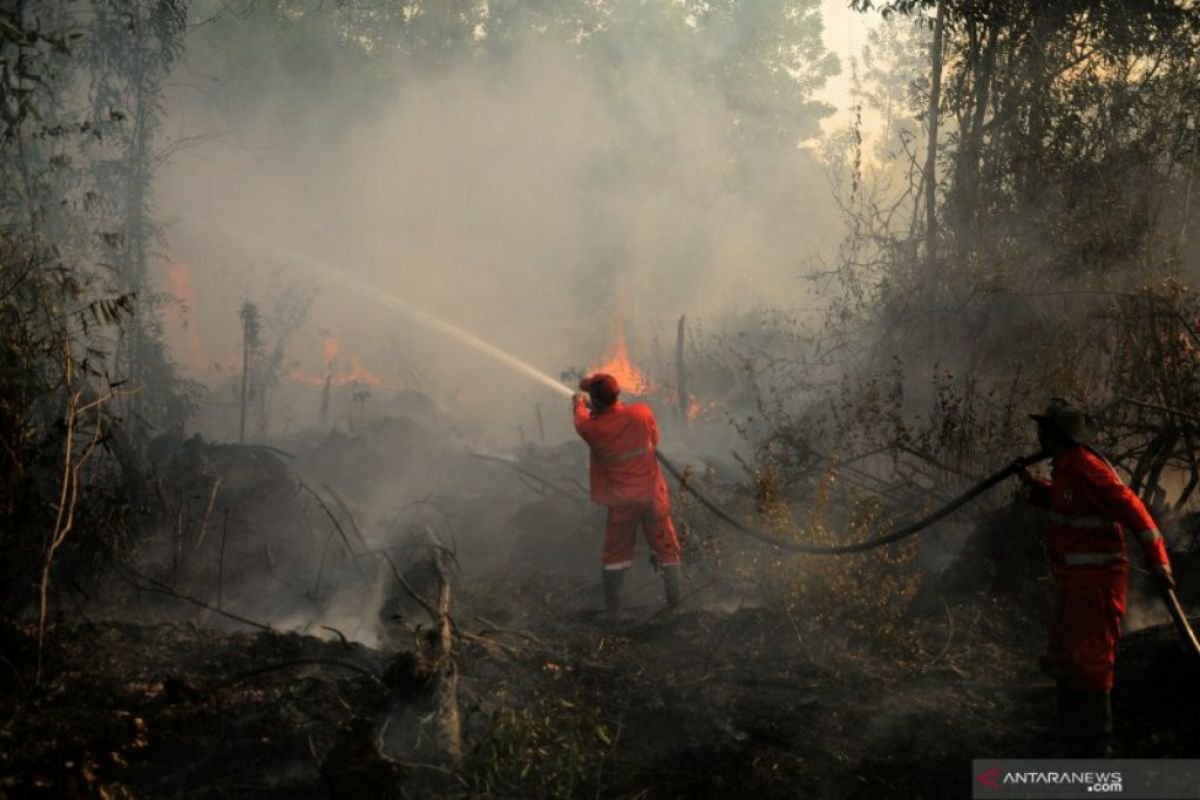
413,200
845,34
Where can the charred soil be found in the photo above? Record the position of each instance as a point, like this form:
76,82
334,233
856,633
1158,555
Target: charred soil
704,702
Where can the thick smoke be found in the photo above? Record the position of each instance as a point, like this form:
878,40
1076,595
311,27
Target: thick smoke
536,203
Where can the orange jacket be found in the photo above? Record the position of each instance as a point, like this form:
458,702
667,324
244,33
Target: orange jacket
623,467
1089,506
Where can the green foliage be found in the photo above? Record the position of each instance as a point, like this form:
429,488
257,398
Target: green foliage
541,746
764,58
266,359
129,51
1066,170
862,598
76,234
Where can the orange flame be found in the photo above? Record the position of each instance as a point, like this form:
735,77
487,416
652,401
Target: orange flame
631,379
696,408
331,355
182,335
180,278
331,346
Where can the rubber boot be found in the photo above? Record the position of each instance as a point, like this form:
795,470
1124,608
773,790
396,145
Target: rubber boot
613,578
1095,724
1066,728
671,583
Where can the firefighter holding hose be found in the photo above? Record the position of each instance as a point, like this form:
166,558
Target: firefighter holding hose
626,479
1089,508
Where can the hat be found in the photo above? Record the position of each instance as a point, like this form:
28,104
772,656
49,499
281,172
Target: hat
1069,419
602,386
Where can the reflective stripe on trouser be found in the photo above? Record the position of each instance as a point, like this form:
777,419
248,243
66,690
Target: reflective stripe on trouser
1079,559
1085,626
620,536
1080,522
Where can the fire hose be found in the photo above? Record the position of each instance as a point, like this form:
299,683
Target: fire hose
856,547
1186,634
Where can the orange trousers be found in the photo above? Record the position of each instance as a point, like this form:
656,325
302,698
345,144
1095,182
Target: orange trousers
620,535
1088,605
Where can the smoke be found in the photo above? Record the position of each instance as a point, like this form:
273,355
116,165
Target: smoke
530,202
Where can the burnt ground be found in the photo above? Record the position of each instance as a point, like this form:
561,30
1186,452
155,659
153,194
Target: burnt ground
736,694
740,702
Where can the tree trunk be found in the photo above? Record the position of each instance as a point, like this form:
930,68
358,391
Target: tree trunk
681,387
245,377
983,91
449,721
935,100
138,158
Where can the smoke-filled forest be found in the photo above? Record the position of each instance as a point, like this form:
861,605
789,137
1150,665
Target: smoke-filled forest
595,398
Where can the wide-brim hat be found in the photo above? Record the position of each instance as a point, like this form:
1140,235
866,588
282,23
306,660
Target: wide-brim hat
601,385
1068,419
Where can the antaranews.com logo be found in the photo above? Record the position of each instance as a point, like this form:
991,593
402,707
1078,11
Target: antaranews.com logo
1088,780
1128,778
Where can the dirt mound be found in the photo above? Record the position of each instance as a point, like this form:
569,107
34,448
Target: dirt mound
1156,697
171,710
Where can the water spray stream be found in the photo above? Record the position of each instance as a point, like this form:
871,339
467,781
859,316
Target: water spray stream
431,320
387,300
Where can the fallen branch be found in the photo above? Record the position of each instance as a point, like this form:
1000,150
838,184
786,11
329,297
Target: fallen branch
449,721
299,662
212,499
413,593
528,474
341,504
490,645
338,526
510,632
158,587
425,501
340,635
68,499
666,609
1164,409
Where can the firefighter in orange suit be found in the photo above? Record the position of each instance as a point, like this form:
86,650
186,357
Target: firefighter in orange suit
1090,508
626,479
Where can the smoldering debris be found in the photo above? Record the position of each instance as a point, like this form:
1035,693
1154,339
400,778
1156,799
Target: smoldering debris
420,578
150,709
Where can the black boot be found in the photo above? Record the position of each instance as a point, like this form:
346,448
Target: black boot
1066,724
1095,724
613,578
671,583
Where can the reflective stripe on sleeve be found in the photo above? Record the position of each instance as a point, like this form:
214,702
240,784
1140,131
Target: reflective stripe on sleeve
1149,535
628,454
1079,522
1077,559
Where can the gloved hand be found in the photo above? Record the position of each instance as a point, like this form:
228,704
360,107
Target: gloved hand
1162,574
1026,478
581,397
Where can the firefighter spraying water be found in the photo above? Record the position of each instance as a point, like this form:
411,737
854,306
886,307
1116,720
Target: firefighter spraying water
1086,498
626,480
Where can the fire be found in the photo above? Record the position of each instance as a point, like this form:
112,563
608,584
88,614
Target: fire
331,346
696,408
181,334
356,373
180,278
631,379
336,371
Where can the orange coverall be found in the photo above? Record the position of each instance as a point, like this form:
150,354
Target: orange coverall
1089,508
625,477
